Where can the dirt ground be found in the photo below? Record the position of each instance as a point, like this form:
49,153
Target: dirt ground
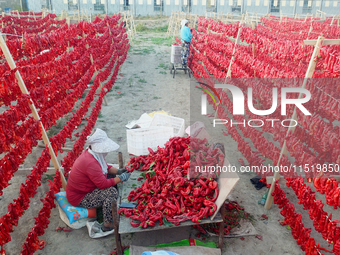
144,86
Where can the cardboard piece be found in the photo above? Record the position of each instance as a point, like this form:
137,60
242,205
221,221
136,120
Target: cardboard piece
226,183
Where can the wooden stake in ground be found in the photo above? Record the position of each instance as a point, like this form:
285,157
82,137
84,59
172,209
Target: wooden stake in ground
115,217
24,90
253,44
115,214
133,25
127,27
237,41
284,151
311,28
221,228
168,32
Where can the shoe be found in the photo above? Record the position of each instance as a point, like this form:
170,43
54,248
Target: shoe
106,229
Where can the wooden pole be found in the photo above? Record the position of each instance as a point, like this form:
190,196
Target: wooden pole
133,24
170,25
284,151
120,160
221,229
253,44
24,90
311,28
115,217
101,88
237,41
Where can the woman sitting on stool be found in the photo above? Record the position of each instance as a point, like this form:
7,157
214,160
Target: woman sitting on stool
87,185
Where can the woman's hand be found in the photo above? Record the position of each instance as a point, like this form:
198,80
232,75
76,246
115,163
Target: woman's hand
124,176
121,170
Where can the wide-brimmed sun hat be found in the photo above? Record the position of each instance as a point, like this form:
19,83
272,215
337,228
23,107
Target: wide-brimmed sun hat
101,143
183,22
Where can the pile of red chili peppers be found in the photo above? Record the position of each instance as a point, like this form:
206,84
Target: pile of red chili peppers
167,193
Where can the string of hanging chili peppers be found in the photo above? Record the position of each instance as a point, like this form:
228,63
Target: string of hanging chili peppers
280,56
50,115
107,51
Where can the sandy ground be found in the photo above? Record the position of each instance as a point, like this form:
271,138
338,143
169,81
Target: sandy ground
147,86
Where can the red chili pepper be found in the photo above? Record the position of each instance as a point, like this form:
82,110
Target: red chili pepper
151,223
204,185
186,154
186,192
170,205
213,184
135,224
42,244
215,195
196,219
196,192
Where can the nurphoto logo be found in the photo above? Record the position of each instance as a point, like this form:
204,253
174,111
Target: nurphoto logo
238,105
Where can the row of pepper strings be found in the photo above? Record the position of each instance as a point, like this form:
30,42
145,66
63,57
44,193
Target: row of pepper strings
32,242
48,120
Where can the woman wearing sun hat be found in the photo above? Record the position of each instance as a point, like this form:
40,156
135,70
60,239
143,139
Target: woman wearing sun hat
87,185
185,40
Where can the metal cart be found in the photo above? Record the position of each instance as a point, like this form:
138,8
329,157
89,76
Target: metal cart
176,62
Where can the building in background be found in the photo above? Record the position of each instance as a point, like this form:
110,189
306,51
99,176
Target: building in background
201,7
10,5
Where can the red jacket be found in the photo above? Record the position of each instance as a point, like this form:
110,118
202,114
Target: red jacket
86,175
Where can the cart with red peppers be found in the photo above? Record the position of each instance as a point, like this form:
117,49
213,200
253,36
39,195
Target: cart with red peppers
132,222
